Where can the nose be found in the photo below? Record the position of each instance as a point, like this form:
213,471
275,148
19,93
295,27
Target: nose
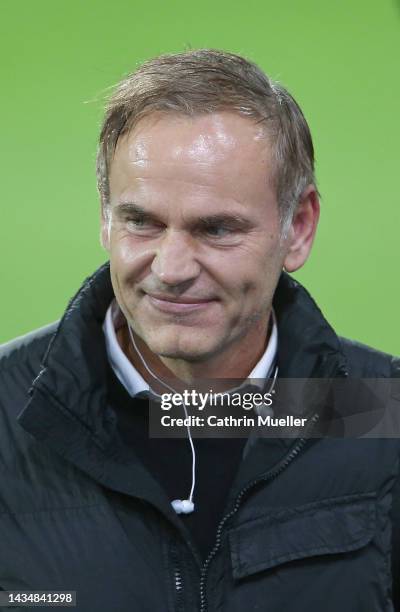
175,262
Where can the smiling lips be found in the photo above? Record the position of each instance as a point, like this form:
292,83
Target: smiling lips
177,305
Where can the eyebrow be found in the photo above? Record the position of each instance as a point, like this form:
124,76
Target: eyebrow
235,220
225,218
132,208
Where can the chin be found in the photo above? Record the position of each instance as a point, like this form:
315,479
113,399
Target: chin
188,349
185,353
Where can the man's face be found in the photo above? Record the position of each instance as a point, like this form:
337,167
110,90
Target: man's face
194,240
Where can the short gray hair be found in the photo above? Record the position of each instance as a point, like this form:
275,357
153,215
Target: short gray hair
205,81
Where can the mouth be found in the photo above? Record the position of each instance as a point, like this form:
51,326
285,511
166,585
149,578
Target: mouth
178,305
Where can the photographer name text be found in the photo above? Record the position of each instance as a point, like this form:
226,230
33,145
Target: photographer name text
232,421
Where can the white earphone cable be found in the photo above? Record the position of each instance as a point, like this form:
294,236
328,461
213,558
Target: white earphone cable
190,499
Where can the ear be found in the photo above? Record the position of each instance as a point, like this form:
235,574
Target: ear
105,228
302,229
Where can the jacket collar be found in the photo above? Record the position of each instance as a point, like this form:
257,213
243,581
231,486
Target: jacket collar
308,346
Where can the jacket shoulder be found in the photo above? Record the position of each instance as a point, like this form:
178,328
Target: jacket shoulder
20,363
26,352
367,362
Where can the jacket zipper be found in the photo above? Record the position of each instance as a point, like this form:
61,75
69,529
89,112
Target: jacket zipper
270,475
178,580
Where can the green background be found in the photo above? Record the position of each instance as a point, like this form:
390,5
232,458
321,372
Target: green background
339,59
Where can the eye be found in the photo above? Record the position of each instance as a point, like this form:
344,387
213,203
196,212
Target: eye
136,222
217,231
140,223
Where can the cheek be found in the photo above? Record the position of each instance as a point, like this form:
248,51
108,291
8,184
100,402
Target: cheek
123,251
256,280
128,259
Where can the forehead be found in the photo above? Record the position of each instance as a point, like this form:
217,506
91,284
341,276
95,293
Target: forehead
221,151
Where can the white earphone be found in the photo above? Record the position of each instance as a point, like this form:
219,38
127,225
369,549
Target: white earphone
182,506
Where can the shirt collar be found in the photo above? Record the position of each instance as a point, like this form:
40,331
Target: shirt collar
127,374
135,384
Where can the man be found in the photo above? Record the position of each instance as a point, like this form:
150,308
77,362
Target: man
206,177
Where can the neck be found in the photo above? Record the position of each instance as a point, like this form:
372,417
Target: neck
235,363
